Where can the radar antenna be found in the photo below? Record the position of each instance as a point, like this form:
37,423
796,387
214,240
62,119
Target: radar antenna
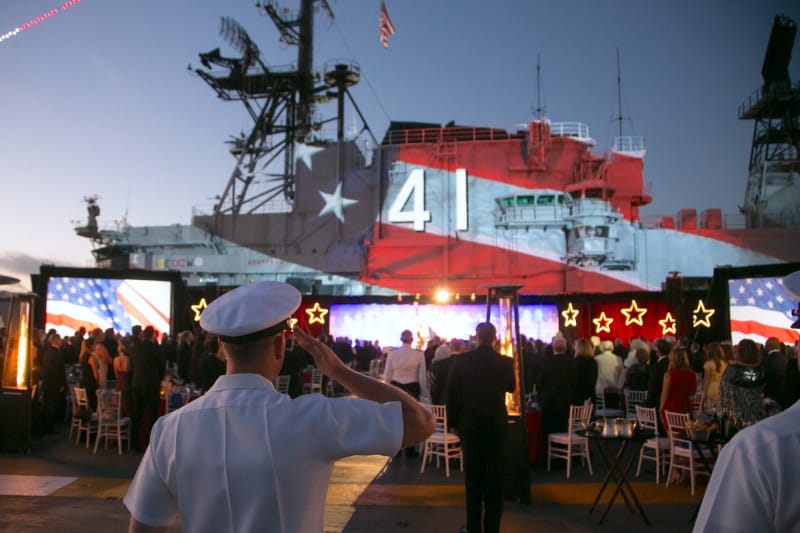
280,101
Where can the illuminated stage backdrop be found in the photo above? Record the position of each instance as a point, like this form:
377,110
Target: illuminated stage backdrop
107,303
759,308
384,322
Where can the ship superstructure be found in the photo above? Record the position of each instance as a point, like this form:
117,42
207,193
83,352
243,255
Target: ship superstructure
431,206
772,196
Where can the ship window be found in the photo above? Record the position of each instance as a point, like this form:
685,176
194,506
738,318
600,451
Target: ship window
563,199
601,231
547,199
506,202
524,200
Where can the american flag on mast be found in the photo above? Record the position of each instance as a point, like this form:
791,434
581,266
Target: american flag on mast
386,26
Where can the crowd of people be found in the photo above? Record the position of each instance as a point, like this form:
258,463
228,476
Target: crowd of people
136,363
746,382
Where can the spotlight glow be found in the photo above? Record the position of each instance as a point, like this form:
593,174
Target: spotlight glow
442,296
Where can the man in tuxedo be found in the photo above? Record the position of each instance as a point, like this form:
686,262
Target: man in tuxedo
657,371
476,409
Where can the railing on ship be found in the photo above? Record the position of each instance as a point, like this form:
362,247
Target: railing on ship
450,134
628,143
575,130
777,92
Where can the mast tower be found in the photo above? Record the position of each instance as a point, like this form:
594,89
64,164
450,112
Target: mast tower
772,194
281,102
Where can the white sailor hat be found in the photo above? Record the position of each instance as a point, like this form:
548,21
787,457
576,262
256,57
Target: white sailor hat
251,312
791,285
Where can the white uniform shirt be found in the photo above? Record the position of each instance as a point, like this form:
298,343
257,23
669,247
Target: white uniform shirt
244,457
406,365
756,480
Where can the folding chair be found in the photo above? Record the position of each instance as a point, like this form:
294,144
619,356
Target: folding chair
442,443
111,425
315,385
600,409
568,445
648,419
89,426
632,399
282,384
682,455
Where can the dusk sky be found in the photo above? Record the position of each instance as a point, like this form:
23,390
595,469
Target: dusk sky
97,99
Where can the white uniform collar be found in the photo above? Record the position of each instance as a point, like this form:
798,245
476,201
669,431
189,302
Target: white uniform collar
241,381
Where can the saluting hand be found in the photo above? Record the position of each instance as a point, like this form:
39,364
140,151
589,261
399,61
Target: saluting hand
324,358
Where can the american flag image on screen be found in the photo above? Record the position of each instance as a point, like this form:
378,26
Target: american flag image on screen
759,308
107,303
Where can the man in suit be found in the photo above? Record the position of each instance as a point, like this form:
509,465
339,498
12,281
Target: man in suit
476,390
555,387
657,371
147,369
54,382
774,365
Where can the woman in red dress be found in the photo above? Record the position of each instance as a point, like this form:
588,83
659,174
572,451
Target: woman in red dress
680,383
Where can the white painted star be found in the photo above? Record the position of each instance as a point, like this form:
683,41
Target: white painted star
305,152
334,203
760,292
769,285
741,289
770,304
779,298
733,300
751,301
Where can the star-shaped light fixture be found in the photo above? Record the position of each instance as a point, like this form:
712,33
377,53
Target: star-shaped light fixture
667,325
316,314
633,314
705,320
198,309
570,315
602,323
335,203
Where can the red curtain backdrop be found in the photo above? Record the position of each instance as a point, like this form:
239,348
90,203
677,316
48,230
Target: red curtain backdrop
650,329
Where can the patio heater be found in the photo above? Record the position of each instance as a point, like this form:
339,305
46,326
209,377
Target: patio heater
16,312
504,301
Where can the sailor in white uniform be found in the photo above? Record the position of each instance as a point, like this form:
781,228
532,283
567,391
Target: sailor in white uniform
244,457
756,480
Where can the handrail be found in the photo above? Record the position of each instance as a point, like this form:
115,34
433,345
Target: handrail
629,143
775,91
447,134
578,130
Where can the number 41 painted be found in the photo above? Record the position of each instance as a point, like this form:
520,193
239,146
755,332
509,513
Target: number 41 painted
415,184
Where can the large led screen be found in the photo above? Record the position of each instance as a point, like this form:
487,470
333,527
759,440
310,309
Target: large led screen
104,303
759,308
384,322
